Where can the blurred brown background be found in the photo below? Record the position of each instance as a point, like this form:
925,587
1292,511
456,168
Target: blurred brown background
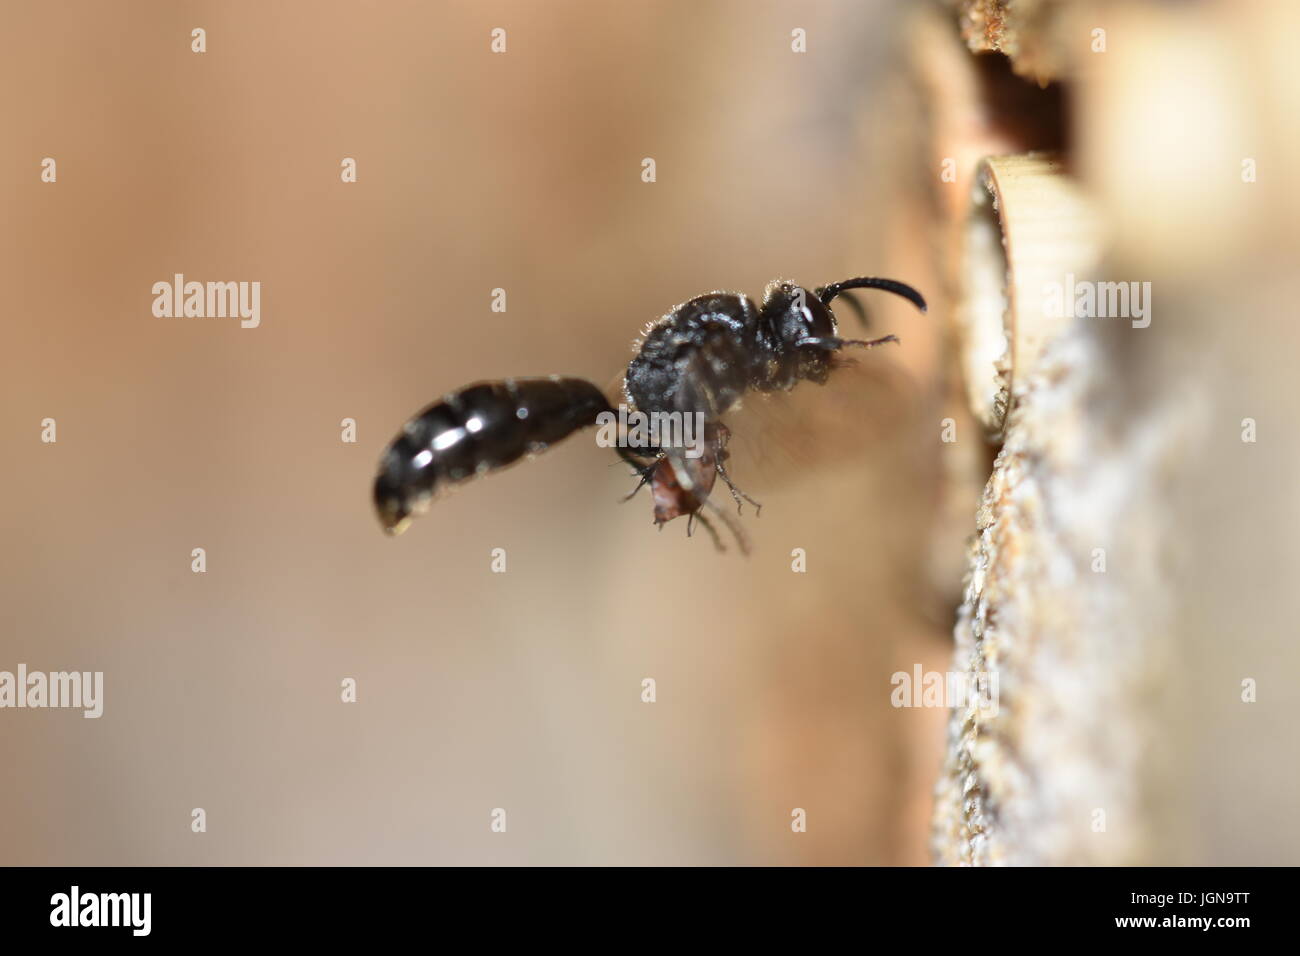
522,171
476,690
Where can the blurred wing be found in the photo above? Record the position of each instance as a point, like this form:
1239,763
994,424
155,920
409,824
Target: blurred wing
776,436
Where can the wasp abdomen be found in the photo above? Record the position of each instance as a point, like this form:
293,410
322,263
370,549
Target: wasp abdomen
475,430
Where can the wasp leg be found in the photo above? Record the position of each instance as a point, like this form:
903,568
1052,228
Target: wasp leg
708,526
639,468
720,454
732,525
832,344
736,493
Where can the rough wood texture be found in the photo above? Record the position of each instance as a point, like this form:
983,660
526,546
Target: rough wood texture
1030,225
1131,581
1066,603
1028,32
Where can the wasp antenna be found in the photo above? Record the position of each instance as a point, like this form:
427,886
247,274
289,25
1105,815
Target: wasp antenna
858,310
830,292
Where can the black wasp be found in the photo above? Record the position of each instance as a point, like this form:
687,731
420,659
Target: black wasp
699,359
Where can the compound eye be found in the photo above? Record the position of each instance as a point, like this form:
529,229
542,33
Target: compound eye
817,318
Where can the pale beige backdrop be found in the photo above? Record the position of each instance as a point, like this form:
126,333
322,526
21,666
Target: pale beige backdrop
476,690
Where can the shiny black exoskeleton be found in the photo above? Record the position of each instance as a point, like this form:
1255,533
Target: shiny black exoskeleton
701,357
474,430
707,352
